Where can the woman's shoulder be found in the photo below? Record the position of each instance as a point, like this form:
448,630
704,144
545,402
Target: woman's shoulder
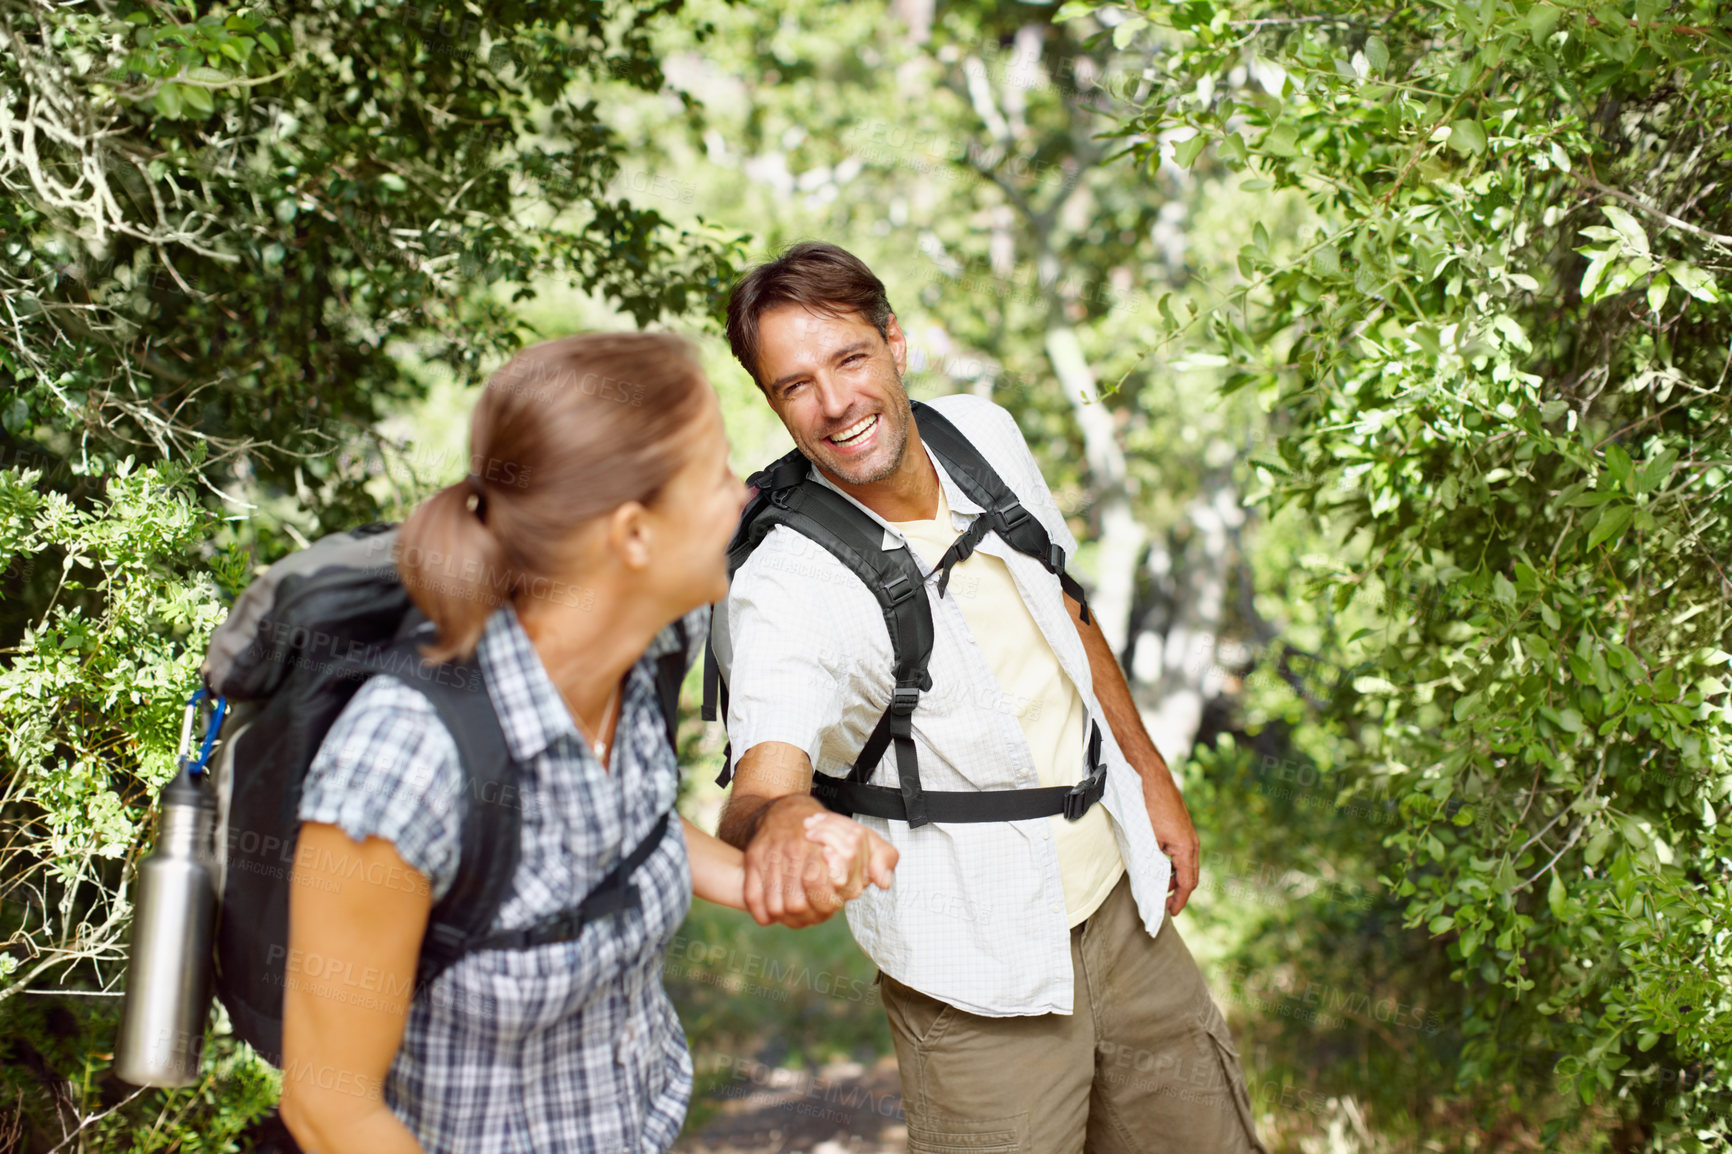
385,725
389,768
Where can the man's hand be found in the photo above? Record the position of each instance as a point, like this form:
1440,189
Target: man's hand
788,877
1173,830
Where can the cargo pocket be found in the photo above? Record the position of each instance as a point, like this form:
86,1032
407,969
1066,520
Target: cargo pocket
920,1018
924,1141
1233,1073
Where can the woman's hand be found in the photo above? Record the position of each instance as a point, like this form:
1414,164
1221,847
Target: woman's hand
357,914
854,853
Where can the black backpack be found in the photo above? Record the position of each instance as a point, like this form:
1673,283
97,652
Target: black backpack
788,496
298,644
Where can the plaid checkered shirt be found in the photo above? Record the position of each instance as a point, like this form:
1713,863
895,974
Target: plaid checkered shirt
569,1046
976,915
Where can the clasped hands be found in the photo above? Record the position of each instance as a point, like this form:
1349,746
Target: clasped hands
804,863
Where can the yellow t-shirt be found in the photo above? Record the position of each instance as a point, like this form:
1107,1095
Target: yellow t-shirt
1049,708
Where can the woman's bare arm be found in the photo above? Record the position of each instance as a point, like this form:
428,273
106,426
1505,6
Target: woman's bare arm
357,913
718,869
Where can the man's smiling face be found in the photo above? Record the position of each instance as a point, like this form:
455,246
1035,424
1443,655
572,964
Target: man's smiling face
837,385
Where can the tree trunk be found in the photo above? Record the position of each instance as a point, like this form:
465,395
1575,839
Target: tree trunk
1179,670
1122,535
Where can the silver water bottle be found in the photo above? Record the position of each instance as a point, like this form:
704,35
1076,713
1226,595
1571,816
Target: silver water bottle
168,990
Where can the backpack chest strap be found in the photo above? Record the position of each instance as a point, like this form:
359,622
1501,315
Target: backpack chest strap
616,893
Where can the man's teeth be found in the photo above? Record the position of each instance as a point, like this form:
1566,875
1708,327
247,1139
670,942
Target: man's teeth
855,431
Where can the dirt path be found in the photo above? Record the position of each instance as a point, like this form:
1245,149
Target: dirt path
840,1109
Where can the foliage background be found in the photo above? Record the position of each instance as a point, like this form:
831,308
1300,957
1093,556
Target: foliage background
1378,353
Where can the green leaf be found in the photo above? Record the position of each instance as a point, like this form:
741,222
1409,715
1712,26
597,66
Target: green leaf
1376,53
1594,275
1618,462
1127,32
1281,140
1654,474
1556,895
198,99
1570,720
1502,589
1185,151
1467,137
1629,229
1694,281
1542,20
168,101
1658,288
1614,519
1596,847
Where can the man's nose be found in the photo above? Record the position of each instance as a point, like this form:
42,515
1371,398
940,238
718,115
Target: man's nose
834,398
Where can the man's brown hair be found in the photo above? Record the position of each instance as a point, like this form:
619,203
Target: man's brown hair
819,277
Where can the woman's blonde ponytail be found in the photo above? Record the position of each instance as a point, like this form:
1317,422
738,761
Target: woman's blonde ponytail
453,567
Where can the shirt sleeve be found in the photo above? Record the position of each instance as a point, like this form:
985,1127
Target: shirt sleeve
388,768
783,677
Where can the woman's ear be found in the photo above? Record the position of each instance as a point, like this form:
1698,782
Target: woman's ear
629,535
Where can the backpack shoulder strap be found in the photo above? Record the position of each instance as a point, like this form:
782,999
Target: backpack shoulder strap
1003,510
670,674
895,581
491,815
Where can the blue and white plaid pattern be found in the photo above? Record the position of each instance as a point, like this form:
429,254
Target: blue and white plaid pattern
976,915
570,1046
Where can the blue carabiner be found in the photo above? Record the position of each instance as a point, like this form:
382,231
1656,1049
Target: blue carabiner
218,710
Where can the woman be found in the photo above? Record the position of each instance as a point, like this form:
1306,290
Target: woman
598,512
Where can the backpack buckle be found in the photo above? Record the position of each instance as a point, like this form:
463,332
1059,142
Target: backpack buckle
1054,557
1077,801
898,589
903,699
446,939
1013,515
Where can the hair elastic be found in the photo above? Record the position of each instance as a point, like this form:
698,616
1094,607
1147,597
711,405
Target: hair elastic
477,496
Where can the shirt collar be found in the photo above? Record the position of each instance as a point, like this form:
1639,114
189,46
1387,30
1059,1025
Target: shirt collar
960,505
531,711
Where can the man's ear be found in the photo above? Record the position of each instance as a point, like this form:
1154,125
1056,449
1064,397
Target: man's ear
629,535
898,343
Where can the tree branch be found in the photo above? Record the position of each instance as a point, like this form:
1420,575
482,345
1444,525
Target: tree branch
1718,238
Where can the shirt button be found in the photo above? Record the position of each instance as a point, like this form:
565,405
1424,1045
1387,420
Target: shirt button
1053,907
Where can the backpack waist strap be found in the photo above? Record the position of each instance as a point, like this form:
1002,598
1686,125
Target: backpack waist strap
955,805
848,796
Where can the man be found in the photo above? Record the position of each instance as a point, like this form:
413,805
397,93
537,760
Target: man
1038,997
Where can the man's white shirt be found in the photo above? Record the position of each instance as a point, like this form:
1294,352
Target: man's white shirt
976,914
